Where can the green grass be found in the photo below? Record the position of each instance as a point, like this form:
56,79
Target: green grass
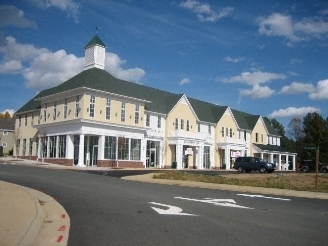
294,181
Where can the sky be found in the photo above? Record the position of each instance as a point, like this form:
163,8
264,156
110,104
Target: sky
266,58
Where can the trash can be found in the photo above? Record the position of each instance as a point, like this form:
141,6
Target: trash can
174,165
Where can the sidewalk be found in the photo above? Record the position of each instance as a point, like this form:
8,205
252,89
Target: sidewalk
30,217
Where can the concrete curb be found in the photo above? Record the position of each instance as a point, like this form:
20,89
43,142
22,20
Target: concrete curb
268,191
30,217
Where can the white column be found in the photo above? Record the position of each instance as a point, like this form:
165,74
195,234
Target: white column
70,147
294,164
200,155
271,157
101,147
227,158
179,155
81,152
57,145
279,168
39,147
48,140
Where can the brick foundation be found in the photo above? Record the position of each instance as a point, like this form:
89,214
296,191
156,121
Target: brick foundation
120,164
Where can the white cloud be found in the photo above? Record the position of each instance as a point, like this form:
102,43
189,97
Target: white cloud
184,81
278,24
297,88
234,60
204,11
253,78
258,92
293,112
69,6
43,69
321,91
12,16
113,65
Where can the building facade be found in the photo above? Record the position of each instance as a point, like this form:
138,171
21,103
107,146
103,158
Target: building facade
7,136
95,119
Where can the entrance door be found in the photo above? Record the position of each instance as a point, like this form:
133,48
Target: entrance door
152,154
91,150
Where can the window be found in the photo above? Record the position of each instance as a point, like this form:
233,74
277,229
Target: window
207,157
136,114
182,124
65,108
52,146
159,121
92,106
25,119
227,132
24,147
4,144
256,137
123,112
44,143
30,147
77,106
18,147
108,102
110,148
45,112
135,151
32,119
123,148
230,132
209,129
262,138
20,121
198,126
39,118
187,127
147,120
62,146
245,136
5,133
36,146
176,124
222,131
55,110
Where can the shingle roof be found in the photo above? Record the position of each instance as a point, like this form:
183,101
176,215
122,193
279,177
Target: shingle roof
160,101
95,40
7,124
269,147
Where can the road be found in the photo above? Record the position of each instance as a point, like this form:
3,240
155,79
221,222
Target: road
107,210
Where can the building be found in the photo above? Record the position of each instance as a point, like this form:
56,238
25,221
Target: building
95,119
7,136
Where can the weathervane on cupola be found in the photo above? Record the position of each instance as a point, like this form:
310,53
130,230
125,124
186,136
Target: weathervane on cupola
95,53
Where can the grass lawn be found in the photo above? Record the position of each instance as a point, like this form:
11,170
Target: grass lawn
290,181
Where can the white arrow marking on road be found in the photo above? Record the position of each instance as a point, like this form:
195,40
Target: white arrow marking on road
218,202
267,197
172,210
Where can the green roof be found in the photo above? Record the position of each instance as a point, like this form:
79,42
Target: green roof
95,41
159,101
269,147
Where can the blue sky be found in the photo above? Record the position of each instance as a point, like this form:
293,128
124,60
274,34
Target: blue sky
261,57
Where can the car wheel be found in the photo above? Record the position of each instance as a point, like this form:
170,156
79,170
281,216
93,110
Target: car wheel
305,169
262,170
240,169
324,170
247,171
271,171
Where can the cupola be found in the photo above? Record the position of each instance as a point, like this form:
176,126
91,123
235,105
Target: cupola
95,54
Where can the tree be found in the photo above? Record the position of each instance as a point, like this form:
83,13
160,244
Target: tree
6,115
296,134
316,134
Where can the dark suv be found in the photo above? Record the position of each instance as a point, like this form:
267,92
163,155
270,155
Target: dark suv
310,165
249,163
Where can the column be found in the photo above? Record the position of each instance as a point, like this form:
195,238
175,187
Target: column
101,147
279,164
179,155
294,164
70,147
200,155
81,152
227,158
39,147
271,157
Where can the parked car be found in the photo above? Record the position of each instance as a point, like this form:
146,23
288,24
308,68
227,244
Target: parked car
310,165
249,163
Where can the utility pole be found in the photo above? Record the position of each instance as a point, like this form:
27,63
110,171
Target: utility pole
317,169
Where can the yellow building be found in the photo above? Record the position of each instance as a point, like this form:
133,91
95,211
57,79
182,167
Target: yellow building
95,119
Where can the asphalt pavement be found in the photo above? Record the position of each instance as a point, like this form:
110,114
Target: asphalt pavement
30,217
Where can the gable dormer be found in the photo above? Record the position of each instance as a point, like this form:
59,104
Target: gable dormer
95,54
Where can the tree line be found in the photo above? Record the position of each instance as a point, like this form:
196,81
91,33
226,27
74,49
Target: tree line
5,115
311,131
